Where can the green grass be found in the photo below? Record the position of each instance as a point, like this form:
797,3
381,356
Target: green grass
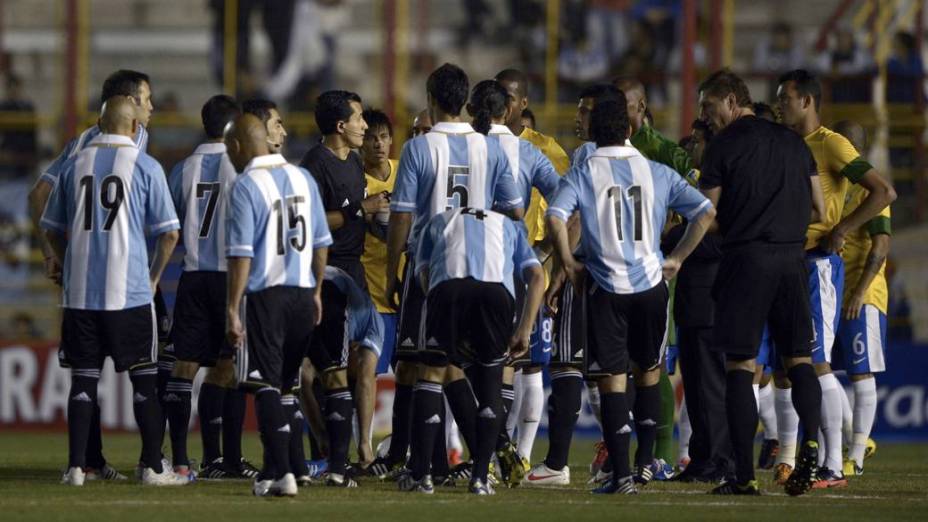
894,487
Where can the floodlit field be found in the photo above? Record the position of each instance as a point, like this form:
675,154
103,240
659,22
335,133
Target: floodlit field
895,487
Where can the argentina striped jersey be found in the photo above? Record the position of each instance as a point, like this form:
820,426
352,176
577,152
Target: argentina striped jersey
77,144
530,168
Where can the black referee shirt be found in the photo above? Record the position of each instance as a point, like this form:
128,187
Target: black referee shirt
763,169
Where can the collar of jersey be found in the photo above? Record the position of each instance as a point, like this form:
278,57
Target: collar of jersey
616,151
452,127
265,161
112,140
210,148
500,129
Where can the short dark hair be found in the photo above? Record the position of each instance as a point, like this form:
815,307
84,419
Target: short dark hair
514,75
724,82
333,107
488,100
377,118
609,123
259,107
448,86
123,83
527,113
217,112
765,111
805,83
601,92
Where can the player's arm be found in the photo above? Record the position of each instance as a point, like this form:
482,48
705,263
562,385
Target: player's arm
38,196
397,234
559,213
876,257
320,259
712,194
240,237
699,212
237,277
880,194
166,243
818,199
534,276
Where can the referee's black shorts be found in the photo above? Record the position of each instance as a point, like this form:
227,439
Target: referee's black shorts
128,336
278,329
412,319
758,285
199,329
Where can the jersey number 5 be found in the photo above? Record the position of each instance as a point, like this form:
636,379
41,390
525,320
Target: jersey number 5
294,220
618,195
457,187
112,194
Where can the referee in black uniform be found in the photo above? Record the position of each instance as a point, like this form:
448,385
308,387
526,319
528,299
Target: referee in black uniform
759,176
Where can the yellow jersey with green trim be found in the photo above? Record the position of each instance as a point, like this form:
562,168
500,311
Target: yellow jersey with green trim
857,247
839,164
535,212
374,257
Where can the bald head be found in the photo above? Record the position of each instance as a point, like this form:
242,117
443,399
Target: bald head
637,101
854,132
119,116
245,138
422,123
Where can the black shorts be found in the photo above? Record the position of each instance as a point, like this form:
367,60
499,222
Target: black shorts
128,336
279,328
162,317
468,321
568,329
199,331
330,345
760,285
623,327
411,321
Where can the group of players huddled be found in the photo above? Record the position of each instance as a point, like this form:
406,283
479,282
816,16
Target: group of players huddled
480,258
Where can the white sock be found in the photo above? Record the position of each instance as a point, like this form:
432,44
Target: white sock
452,433
822,443
593,392
787,425
768,413
513,418
533,403
847,418
686,431
864,412
756,389
831,420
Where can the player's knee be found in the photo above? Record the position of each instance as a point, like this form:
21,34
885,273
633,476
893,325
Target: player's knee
406,373
614,383
645,378
432,373
822,368
185,369
509,374
738,363
222,375
335,379
528,370
857,377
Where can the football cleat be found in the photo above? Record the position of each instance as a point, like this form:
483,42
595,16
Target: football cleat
382,468
215,471
512,466
75,476
304,481
643,475
801,479
599,458
542,475
661,470
733,488
768,453
829,479
107,472
334,480
317,467
242,470
781,473
261,488
625,486
852,469
870,449
167,477
283,487
407,483
462,471
186,472
479,487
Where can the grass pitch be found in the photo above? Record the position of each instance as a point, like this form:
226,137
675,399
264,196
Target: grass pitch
895,487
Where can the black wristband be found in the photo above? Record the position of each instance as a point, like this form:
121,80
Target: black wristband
353,212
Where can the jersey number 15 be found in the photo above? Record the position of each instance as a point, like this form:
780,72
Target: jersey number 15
294,220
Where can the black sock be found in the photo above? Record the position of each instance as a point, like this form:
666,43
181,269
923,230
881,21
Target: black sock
165,369
95,457
338,411
233,422
647,411
315,452
742,421
464,408
508,395
489,417
807,399
175,398
440,467
402,415
563,411
209,406
297,453
148,415
275,431
426,420
616,431
81,400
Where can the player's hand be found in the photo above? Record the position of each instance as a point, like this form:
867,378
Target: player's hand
365,454
235,333
576,272
519,343
390,293
853,305
317,308
670,267
833,242
53,269
379,202
552,300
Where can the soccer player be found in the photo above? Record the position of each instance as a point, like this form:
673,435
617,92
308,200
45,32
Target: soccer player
105,200
623,200
466,262
761,178
528,119
452,166
422,123
839,165
267,111
200,188
276,244
861,336
588,99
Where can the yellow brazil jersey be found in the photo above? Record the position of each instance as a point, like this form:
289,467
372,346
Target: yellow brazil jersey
535,214
375,250
856,249
838,164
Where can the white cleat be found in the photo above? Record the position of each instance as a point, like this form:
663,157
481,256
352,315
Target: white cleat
106,473
285,487
262,488
73,477
542,475
167,477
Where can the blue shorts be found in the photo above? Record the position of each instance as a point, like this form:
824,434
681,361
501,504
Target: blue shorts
673,353
862,343
541,341
766,354
826,287
389,342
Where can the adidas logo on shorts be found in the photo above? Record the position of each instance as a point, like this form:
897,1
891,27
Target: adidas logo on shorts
487,413
335,416
434,419
81,397
625,429
138,397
